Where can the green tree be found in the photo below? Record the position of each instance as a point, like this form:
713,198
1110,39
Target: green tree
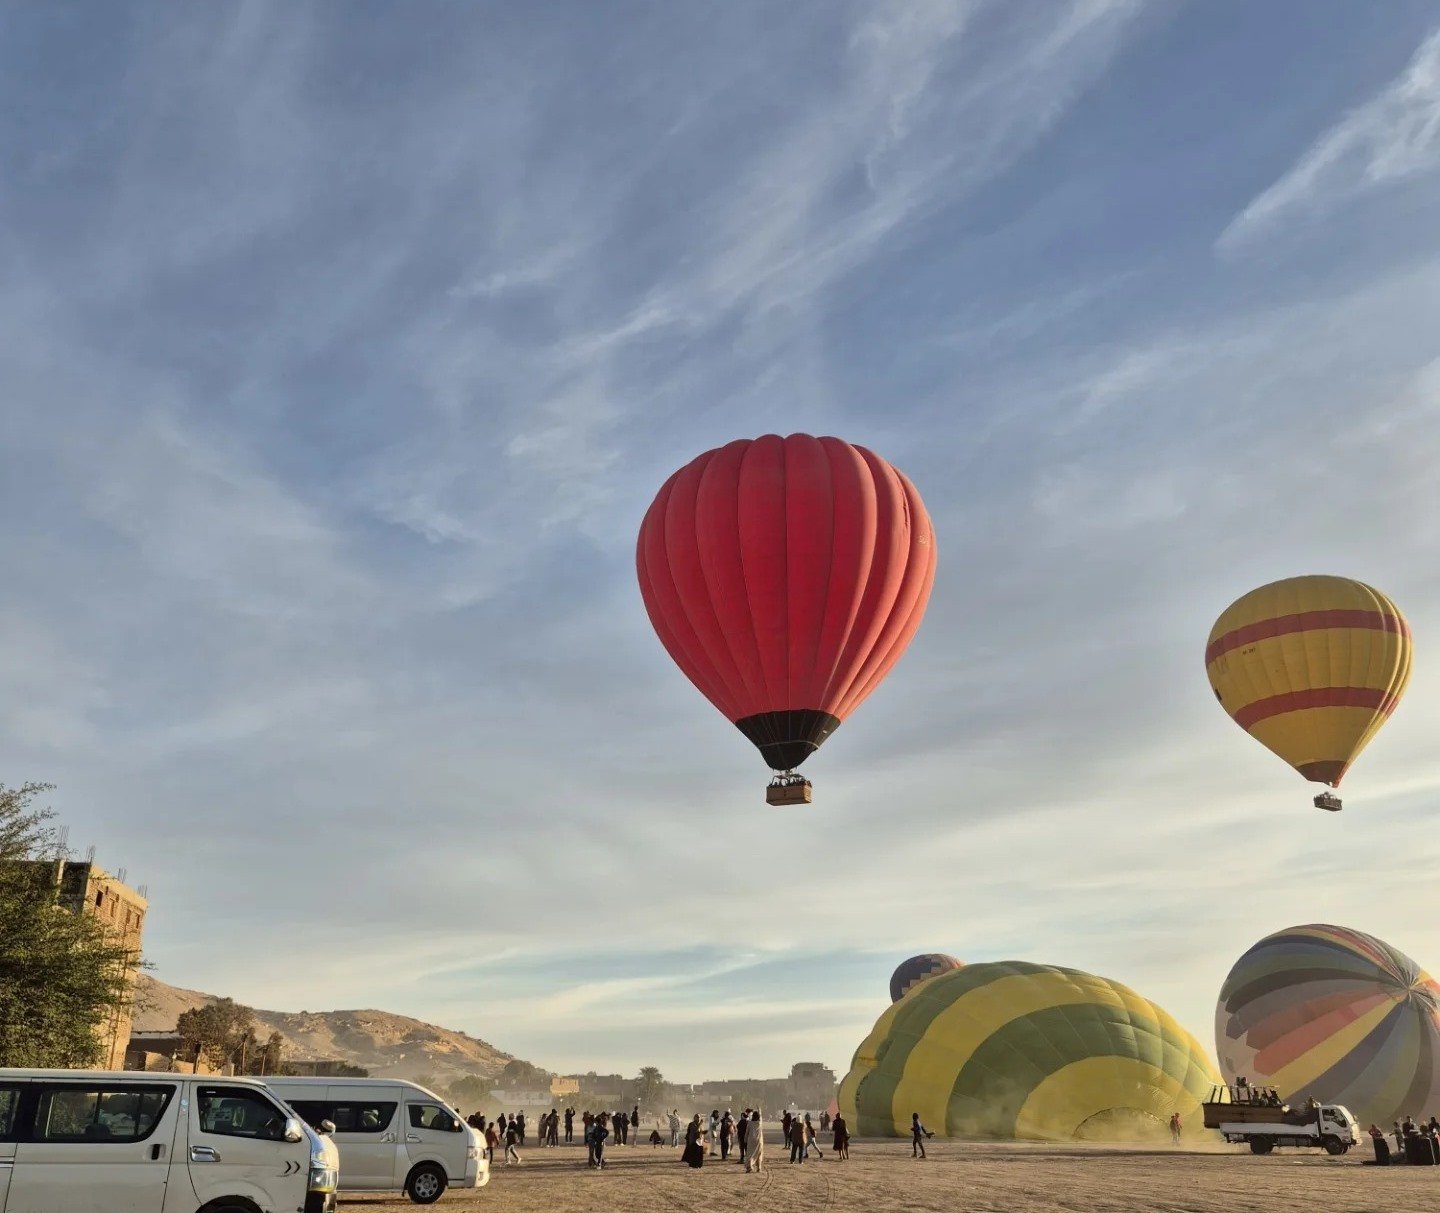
650,1091
221,1032
521,1074
64,975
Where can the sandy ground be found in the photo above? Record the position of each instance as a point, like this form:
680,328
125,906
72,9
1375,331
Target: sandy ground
957,1178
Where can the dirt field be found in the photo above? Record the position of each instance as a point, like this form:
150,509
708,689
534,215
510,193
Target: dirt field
957,1178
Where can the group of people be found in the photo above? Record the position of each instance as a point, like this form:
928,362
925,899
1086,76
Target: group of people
1416,1141
714,1137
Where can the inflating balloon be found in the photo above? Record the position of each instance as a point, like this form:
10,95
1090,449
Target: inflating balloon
1015,1050
1328,1012
1311,667
910,973
785,576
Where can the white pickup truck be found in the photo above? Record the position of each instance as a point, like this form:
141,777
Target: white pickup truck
1260,1118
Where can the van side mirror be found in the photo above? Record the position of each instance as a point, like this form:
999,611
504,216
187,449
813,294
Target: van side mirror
293,1131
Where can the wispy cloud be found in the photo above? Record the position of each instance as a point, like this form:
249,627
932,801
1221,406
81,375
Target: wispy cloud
1392,138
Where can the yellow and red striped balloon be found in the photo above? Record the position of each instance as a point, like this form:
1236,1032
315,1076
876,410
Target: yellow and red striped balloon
1311,667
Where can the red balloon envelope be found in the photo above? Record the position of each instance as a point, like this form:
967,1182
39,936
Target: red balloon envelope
786,576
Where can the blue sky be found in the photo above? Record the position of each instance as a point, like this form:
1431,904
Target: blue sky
343,346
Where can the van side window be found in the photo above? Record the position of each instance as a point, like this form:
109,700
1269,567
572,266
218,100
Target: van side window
238,1112
9,1101
431,1116
99,1113
366,1117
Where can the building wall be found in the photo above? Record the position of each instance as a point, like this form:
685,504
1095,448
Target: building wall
85,887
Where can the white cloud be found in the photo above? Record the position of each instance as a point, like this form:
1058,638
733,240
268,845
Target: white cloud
1393,137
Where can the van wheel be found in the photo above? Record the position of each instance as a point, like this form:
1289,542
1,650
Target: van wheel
1261,1145
1332,1144
425,1184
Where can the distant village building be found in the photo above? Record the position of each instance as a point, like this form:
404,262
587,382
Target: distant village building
564,1085
509,1097
83,887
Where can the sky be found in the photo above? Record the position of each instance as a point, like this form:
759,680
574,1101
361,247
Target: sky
342,348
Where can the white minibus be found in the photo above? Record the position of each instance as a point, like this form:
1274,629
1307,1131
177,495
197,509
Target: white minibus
78,1141
393,1135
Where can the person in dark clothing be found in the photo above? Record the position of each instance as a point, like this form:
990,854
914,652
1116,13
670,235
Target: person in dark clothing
634,1121
797,1139
599,1131
742,1132
622,1128
785,1127
842,1138
518,1120
727,1132
569,1125
655,1138
918,1134
694,1154
824,1122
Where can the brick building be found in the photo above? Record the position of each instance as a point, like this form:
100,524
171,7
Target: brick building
84,887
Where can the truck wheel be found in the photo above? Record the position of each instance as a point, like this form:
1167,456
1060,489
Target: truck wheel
425,1184
1261,1145
1332,1144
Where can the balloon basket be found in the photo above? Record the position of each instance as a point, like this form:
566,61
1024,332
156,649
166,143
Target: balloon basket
787,790
1329,802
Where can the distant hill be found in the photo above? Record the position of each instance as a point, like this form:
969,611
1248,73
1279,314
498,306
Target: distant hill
390,1046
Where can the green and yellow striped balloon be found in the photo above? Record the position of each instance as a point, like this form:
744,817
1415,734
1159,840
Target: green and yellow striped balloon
1013,1050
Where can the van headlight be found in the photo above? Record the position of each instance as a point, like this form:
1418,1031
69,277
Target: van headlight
323,1177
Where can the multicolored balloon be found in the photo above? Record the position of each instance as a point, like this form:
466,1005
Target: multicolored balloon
1328,1012
910,973
1016,1050
785,576
1311,667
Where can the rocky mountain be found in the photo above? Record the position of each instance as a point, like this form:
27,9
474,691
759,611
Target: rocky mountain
389,1046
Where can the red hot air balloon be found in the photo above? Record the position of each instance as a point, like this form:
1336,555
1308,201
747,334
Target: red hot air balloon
785,576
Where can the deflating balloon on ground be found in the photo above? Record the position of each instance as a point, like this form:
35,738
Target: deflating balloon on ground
1016,1050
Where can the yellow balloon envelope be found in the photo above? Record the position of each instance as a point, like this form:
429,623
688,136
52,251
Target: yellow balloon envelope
1311,667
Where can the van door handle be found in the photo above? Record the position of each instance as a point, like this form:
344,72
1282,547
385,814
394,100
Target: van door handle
157,1152
411,1137
203,1154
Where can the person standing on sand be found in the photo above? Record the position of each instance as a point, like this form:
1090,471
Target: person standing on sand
599,1131
796,1141
742,1131
635,1120
810,1142
842,1137
714,1131
1175,1128
569,1125
694,1155
492,1139
512,1137
518,1120
785,1126
674,1119
918,1134
755,1144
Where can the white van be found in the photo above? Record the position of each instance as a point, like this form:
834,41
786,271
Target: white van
394,1136
77,1141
